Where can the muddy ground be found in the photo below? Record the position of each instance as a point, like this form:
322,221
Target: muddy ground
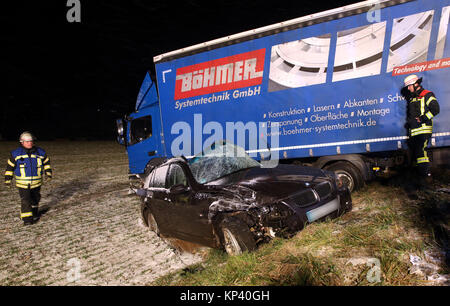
90,232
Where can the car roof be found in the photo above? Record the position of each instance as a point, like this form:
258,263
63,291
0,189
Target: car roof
172,160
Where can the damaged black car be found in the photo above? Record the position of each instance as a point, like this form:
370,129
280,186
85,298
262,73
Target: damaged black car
222,198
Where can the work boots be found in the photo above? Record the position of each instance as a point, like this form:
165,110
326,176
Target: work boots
426,182
36,215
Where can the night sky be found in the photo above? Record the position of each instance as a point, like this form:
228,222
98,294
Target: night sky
72,80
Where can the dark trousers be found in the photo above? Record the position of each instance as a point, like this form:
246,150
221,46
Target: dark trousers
417,145
30,203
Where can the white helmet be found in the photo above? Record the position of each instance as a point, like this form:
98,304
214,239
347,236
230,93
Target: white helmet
412,79
26,136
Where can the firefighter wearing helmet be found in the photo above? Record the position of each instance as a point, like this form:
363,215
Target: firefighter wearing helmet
27,165
422,108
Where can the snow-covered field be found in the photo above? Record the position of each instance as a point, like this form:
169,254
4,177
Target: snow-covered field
90,232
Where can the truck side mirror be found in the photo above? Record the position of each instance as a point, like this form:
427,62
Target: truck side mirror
121,140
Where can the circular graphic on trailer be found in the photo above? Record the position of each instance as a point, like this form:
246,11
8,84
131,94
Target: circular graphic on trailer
304,62
299,63
442,35
410,39
358,52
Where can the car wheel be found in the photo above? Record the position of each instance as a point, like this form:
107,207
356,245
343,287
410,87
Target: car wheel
152,223
348,173
237,237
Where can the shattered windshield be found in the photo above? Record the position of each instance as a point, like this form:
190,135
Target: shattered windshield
220,160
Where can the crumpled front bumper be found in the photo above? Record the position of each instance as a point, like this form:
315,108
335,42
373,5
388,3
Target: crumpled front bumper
333,208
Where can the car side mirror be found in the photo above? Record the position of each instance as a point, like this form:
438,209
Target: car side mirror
178,189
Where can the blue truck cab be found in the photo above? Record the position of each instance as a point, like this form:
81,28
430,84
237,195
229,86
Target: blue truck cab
140,131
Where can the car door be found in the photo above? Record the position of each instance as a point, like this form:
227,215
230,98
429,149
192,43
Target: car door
158,204
191,212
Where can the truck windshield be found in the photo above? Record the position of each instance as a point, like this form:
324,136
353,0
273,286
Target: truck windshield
219,160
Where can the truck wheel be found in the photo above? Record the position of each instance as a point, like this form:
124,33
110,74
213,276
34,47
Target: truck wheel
237,237
153,226
348,173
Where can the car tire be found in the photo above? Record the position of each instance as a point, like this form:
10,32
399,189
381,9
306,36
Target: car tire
237,237
349,174
152,225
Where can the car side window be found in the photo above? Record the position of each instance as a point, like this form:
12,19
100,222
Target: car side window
150,179
176,176
159,178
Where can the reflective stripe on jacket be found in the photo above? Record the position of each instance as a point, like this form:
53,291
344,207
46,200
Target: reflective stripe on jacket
425,107
28,167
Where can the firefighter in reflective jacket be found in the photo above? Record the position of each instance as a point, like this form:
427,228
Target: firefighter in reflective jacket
27,164
422,108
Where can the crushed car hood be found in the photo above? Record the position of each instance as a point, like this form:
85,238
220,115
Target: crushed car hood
272,183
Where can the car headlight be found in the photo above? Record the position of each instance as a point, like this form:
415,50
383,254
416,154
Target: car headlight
332,175
339,182
265,209
275,211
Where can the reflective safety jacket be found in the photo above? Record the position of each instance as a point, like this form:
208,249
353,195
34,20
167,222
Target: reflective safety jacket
424,106
28,167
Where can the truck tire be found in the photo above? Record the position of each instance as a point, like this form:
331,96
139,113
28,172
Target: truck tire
237,237
348,173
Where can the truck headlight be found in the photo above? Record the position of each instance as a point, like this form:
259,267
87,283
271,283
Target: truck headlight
119,123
